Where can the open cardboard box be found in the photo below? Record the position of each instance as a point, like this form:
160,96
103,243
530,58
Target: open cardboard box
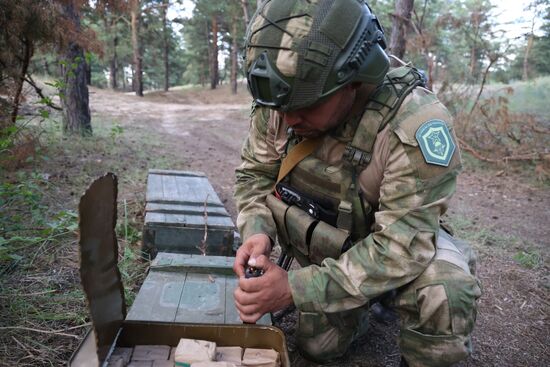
103,287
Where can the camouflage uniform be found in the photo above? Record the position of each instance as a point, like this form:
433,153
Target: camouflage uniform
435,299
298,52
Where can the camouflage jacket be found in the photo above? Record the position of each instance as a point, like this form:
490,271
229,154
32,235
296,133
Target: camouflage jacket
408,193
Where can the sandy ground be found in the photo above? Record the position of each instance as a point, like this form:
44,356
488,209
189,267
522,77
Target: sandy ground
207,130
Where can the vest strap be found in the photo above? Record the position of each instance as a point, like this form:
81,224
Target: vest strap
345,216
381,108
296,155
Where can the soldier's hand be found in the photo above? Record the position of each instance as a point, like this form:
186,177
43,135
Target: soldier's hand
269,292
252,248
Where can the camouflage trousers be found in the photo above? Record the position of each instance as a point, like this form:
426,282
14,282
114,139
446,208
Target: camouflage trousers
437,314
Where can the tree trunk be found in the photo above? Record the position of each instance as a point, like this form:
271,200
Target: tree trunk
88,70
46,67
214,73
123,72
113,65
234,47
244,4
400,22
135,13
525,75
75,98
110,26
21,80
166,45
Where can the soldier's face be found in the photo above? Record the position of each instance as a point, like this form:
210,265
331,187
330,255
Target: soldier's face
323,116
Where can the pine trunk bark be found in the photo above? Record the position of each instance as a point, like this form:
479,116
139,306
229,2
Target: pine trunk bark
88,69
113,65
400,23
234,47
525,75
75,97
166,45
110,26
20,81
135,14
244,4
214,73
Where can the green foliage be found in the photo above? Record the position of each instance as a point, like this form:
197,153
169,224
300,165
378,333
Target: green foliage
7,135
132,271
27,224
528,259
116,131
528,96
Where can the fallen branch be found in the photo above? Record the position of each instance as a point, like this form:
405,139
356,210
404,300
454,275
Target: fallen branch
38,91
30,294
52,332
521,157
203,246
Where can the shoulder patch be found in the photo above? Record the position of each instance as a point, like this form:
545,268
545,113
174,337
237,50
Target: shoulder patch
436,142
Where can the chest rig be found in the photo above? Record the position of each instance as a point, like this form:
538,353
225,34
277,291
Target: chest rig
335,186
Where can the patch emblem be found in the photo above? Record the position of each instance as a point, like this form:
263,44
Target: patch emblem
436,142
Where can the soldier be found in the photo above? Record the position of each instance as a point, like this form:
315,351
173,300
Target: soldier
363,162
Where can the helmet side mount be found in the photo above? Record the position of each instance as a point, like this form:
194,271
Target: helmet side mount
265,84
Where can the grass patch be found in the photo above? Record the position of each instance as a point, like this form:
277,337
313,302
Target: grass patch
481,237
489,241
528,259
39,278
528,97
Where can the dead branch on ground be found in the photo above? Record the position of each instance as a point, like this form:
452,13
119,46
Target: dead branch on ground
520,157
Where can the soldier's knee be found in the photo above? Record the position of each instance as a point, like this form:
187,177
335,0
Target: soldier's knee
322,340
445,303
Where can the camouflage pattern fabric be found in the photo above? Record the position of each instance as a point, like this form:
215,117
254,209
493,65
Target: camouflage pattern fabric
436,299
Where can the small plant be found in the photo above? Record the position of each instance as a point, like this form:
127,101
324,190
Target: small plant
528,259
116,131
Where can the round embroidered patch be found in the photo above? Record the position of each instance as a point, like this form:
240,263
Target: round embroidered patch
436,142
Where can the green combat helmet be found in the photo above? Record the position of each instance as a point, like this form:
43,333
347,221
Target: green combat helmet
298,52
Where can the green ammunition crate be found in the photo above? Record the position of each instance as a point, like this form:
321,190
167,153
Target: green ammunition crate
183,296
186,288
182,210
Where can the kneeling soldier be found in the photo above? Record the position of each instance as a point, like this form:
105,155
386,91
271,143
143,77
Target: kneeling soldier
350,165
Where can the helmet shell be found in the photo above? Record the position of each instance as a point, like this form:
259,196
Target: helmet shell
298,52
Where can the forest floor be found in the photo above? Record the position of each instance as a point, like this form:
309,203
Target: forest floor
503,211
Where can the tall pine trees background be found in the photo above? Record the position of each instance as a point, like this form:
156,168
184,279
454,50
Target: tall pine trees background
140,45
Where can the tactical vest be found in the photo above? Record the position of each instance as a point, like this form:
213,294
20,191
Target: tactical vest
335,186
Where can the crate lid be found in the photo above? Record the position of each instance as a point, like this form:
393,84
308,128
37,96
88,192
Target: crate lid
184,199
99,272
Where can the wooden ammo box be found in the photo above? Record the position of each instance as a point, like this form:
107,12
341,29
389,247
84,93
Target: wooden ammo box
183,210
189,289
162,313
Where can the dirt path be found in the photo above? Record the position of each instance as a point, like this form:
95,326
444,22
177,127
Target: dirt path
207,130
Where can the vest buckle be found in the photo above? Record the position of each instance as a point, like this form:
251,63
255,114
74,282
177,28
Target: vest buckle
344,220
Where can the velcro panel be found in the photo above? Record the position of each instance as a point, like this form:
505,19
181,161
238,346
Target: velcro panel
341,21
299,226
326,241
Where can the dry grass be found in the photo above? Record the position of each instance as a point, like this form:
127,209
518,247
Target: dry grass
43,311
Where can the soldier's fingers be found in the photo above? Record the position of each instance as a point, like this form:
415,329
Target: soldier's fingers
244,298
240,262
250,318
261,262
253,285
247,309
